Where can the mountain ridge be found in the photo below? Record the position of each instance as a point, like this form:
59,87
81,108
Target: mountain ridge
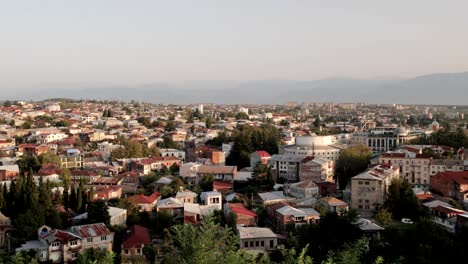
437,88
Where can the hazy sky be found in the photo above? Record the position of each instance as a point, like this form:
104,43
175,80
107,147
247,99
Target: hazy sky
150,41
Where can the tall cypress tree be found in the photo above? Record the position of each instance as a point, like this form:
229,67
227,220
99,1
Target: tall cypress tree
65,196
73,200
2,199
79,197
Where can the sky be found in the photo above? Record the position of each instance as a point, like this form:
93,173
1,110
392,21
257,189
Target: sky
144,41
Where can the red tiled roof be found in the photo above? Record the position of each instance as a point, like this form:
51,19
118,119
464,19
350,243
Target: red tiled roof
239,208
136,237
83,173
393,155
263,153
149,161
460,177
447,210
127,174
423,196
92,230
189,219
222,185
276,206
142,199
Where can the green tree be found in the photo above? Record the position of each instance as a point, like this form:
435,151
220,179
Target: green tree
98,212
206,182
242,116
190,244
401,200
351,162
383,216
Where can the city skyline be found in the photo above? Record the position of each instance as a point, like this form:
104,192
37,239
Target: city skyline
150,41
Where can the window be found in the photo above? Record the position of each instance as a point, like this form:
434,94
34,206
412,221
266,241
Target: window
56,244
139,250
246,244
73,243
271,243
257,243
360,182
251,244
74,255
126,252
262,243
103,238
366,183
89,240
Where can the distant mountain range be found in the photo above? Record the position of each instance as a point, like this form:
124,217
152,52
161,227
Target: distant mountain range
442,88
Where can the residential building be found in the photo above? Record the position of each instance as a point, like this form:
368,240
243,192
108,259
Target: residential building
451,184
72,159
446,217
304,189
107,192
294,168
223,187
257,238
316,169
243,216
259,156
369,189
134,240
63,246
8,173
212,198
107,181
118,217
146,203
272,197
45,138
286,166
179,154
415,168
171,206
193,172
5,232
446,165
146,165
283,214
334,205
186,196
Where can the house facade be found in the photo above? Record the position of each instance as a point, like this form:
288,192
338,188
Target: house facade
369,189
64,246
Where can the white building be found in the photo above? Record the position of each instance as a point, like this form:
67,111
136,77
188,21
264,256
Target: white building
305,189
212,198
325,147
257,238
118,216
179,154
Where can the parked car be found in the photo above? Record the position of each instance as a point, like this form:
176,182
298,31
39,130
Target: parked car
406,221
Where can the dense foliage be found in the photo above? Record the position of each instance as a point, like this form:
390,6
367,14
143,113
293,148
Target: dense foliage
351,162
248,139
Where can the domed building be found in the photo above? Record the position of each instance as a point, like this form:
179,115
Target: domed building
383,139
434,125
317,146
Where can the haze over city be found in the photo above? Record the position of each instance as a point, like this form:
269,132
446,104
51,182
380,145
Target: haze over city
94,44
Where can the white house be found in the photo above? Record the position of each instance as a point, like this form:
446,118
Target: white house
212,198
